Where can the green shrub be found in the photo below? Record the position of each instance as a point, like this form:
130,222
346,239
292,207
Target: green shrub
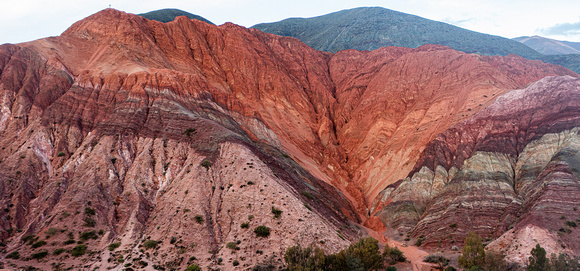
69,241
199,219
393,255
58,251
39,255
88,235
51,231
13,255
89,222
231,245
206,164
78,250
38,244
307,194
114,246
262,231
150,244
194,267
245,225
391,268
189,131
277,212
60,154
235,263
571,224
437,259
90,211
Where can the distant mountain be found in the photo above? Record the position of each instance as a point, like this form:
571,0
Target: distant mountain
169,14
549,46
370,28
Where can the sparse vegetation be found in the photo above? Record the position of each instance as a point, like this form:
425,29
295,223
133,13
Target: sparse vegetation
194,267
232,245
60,154
58,251
13,255
262,231
38,244
362,255
245,225
189,132
88,235
277,212
150,244
39,255
235,263
206,164
199,219
437,259
78,250
89,222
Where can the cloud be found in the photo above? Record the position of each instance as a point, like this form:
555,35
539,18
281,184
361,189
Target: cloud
458,21
565,29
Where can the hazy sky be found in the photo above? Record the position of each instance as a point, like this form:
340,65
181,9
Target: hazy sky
25,20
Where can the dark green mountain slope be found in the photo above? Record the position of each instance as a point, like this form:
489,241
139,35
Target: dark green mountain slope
169,14
569,61
370,28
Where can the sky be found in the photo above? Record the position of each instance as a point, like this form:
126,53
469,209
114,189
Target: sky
26,20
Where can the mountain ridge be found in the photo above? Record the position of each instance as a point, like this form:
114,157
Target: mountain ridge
369,33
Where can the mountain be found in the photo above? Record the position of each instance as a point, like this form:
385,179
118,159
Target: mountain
370,28
128,142
547,46
169,14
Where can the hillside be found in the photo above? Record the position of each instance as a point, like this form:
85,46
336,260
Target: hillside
547,46
370,28
169,14
131,142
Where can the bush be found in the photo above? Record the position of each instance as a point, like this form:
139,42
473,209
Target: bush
245,225
78,250
13,255
393,255
58,251
391,268
277,212
232,245
38,244
60,154
571,224
437,259
114,246
194,267
39,255
89,222
88,235
150,244
206,164
235,263
262,231
90,211
362,255
199,219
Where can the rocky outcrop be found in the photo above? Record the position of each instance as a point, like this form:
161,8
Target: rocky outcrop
510,167
123,130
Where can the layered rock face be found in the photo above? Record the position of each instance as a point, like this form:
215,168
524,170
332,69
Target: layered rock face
125,130
511,167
